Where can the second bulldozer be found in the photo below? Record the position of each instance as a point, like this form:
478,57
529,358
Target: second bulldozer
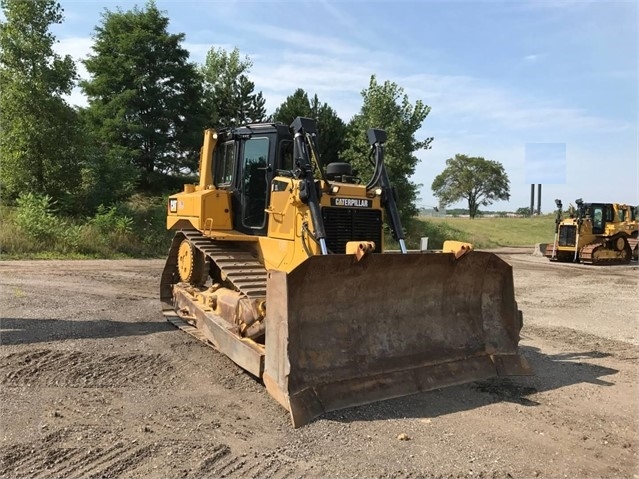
595,233
278,262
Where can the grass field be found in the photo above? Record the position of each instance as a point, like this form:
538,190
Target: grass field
138,229
487,232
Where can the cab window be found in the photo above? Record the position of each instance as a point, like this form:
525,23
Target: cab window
609,214
254,185
224,164
597,219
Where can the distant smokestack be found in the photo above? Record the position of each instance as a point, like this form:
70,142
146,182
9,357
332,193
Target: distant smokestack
532,199
539,199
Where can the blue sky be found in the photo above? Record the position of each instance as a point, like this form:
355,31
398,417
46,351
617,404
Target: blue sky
545,163
498,75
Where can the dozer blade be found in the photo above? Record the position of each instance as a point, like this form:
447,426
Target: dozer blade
342,333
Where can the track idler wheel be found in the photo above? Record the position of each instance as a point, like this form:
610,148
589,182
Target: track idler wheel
620,244
192,265
623,249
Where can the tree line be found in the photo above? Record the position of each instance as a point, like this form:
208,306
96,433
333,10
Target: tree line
147,105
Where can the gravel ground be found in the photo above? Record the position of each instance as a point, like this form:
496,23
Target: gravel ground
94,383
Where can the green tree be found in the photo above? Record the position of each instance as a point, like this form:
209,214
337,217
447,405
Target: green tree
331,128
144,95
386,106
107,176
475,179
229,95
39,134
295,105
523,211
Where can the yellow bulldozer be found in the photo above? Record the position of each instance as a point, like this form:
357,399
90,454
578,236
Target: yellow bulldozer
278,261
595,233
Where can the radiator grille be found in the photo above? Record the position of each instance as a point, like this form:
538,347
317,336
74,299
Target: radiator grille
351,224
567,235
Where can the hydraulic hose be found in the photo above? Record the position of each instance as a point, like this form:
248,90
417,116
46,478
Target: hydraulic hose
310,194
388,198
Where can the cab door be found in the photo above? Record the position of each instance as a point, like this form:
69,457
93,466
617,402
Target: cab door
251,196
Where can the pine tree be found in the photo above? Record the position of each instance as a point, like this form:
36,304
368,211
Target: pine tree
144,95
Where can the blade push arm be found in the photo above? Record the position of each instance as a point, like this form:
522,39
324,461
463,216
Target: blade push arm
377,138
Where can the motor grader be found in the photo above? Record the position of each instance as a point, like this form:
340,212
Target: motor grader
278,261
595,233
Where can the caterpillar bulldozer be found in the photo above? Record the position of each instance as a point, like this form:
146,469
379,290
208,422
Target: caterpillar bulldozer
278,261
595,233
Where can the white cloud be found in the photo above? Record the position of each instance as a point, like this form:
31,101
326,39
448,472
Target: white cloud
337,81
313,73
470,99
327,67
299,39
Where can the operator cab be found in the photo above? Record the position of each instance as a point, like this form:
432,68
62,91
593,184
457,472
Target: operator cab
246,160
599,214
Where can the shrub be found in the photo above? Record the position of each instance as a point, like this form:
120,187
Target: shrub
110,221
35,216
35,228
